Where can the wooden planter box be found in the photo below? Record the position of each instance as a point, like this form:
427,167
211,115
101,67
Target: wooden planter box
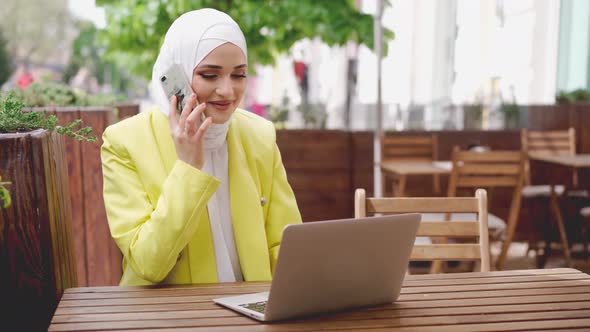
98,260
36,253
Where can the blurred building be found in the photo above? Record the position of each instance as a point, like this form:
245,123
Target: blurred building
446,53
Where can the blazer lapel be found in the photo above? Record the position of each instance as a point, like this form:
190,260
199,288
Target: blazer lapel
246,212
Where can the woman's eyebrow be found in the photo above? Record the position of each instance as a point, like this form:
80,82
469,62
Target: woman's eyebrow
220,67
210,66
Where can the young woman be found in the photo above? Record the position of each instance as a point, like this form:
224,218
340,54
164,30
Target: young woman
191,200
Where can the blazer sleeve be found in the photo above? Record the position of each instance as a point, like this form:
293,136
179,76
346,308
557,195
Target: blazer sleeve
282,208
151,237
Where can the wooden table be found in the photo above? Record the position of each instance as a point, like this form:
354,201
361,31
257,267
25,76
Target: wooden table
483,301
399,170
574,162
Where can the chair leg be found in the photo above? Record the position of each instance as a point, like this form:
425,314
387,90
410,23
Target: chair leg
560,226
542,260
436,183
436,267
547,230
400,191
506,244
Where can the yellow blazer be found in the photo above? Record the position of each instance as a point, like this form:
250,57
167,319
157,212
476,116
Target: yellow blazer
157,205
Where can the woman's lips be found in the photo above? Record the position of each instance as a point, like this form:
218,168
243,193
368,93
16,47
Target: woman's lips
220,105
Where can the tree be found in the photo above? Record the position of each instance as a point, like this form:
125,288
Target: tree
36,30
136,28
6,64
87,52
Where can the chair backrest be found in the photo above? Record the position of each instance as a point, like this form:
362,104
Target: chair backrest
555,142
489,169
415,147
476,228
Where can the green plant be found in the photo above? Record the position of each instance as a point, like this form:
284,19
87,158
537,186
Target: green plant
472,116
314,115
53,94
136,28
87,52
578,95
4,195
13,119
6,64
279,114
511,115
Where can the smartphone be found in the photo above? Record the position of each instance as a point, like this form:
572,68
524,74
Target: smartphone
174,82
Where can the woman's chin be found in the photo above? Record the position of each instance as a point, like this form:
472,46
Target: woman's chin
219,117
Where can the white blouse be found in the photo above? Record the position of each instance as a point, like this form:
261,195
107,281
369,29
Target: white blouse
216,164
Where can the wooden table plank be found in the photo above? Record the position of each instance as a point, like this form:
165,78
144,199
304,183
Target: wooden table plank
182,325
253,286
577,161
565,286
451,294
500,280
357,314
328,324
495,274
492,301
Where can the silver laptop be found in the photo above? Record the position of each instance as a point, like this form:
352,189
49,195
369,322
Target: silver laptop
334,265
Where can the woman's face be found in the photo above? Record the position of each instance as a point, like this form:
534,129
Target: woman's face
220,81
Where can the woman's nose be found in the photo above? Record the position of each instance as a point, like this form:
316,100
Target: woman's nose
225,88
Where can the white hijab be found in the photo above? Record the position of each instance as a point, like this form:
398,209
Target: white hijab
190,38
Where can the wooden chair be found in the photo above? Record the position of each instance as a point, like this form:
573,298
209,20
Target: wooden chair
408,148
489,170
464,230
560,143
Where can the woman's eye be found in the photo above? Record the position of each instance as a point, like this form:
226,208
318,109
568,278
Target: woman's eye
239,75
208,76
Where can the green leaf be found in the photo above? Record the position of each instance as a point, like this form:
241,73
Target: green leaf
14,119
135,29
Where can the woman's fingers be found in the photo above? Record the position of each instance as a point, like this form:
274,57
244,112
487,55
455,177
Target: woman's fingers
194,119
189,123
173,115
203,128
188,107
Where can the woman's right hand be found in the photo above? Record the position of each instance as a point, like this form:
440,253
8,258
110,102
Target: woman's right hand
188,132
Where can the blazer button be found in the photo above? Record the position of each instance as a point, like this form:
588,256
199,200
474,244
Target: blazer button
263,201
179,256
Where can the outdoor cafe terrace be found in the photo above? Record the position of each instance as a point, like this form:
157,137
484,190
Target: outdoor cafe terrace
538,229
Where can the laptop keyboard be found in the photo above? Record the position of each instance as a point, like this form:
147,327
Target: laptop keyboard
256,306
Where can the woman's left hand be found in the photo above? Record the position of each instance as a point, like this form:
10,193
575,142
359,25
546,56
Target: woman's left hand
188,132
